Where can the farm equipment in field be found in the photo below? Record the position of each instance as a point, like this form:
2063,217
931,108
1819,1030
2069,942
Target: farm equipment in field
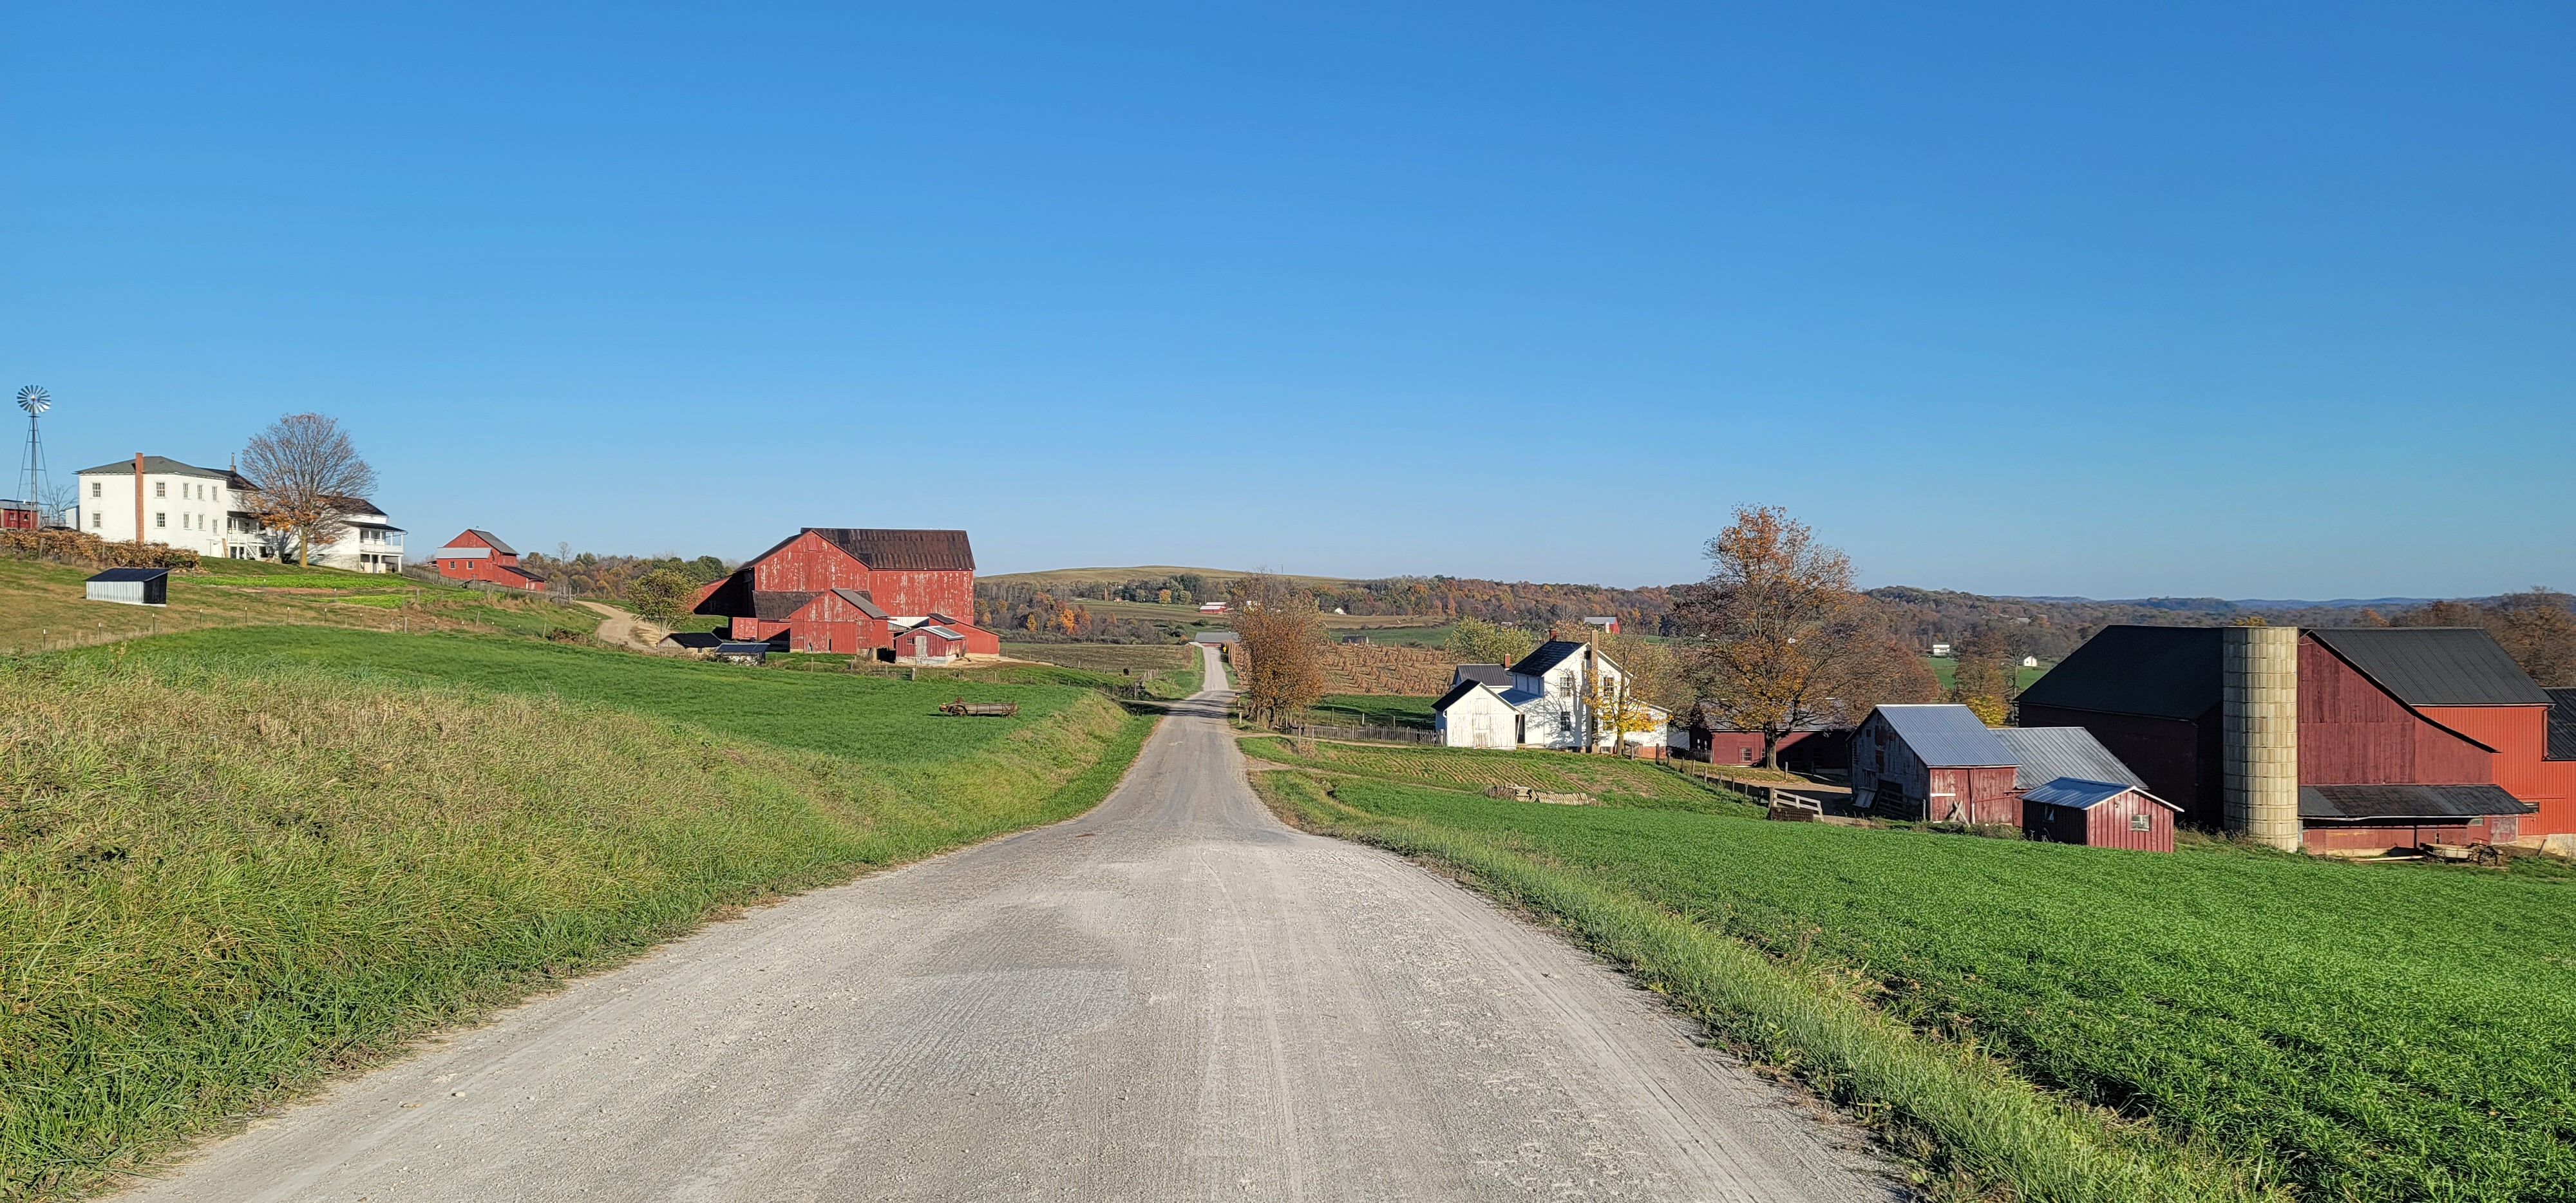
966,709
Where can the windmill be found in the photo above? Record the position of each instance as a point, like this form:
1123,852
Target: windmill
31,476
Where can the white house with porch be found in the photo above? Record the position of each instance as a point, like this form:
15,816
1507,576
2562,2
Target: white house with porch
1542,702
156,499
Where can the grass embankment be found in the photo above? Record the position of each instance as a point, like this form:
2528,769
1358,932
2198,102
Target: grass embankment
48,608
235,861
2051,1022
1168,671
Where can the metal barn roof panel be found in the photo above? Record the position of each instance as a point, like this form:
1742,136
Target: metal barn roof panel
2048,753
2352,803
131,574
2076,792
2435,666
1495,675
2562,724
2160,672
859,597
1947,735
903,550
777,605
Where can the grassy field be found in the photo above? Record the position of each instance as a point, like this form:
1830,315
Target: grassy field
1945,669
47,609
238,861
2044,1021
1374,710
1637,783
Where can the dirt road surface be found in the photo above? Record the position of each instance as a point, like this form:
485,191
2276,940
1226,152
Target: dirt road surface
622,629
1172,997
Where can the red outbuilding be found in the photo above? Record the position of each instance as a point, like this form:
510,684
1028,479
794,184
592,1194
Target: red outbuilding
837,589
480,555
1935,762
2103,814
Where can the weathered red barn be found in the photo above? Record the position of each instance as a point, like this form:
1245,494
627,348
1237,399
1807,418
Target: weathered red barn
2102,814
480,555
834,589
1935,762
18,515
2386,736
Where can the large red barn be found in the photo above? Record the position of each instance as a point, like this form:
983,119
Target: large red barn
480,555
837,589
2392,736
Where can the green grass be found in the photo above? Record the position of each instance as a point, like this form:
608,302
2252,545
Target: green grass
1945,669
1616,781
230,867
1374,710
851,714
2338,1031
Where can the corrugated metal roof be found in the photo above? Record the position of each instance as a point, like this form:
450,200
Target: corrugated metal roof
2435,666
1946,735
489,538
158,464
776,605
859,597
1495,675
903,550
2382,802
755,648
1457,691
2077,792
2048,753
2562,724
696,639
2163,672
131,574
1549,654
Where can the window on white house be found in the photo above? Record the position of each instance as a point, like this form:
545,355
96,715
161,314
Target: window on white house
160,488
95,486
97,520
160,519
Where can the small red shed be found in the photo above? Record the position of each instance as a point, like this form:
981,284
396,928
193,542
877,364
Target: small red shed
1935,762
2101,814
929,643
480,555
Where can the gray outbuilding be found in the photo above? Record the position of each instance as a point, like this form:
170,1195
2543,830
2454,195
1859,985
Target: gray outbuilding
132,586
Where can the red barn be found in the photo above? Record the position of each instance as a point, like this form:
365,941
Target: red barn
1935,762
18,515
480,555
835,589
2103,814
2396,736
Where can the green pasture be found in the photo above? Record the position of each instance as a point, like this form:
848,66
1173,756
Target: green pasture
2205,1023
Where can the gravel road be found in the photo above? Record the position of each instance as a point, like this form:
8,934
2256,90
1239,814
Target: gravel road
1172,997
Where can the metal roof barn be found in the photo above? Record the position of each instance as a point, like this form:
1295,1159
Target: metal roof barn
132,586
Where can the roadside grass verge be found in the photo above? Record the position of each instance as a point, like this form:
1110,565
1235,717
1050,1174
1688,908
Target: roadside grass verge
1639,784
223,878
2050,1022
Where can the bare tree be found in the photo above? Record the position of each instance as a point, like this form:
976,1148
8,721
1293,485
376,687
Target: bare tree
1785,638
309,478
1283,637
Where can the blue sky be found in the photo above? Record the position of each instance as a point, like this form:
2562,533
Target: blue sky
2228,300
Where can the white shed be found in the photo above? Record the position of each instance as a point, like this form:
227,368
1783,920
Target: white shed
1473,715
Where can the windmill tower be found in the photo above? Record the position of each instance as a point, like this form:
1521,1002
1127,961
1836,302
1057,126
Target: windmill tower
31,473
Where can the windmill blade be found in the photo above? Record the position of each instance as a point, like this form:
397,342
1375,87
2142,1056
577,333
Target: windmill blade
34,399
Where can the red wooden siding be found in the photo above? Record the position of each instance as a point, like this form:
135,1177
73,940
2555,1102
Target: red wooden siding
2337,837
2520,737
1974,795
1906,787
2110,823
2352,733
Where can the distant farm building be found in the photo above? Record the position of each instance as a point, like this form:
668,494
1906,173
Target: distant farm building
131,586
852,591
18,515
1545,702
1219,608
1607,622
690,641
212,511
480,555
2353,740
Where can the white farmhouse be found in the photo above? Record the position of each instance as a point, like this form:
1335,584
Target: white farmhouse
1541,702
156,499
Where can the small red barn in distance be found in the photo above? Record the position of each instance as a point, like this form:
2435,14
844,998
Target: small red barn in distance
2103,814
1935,762
840,589
480,555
